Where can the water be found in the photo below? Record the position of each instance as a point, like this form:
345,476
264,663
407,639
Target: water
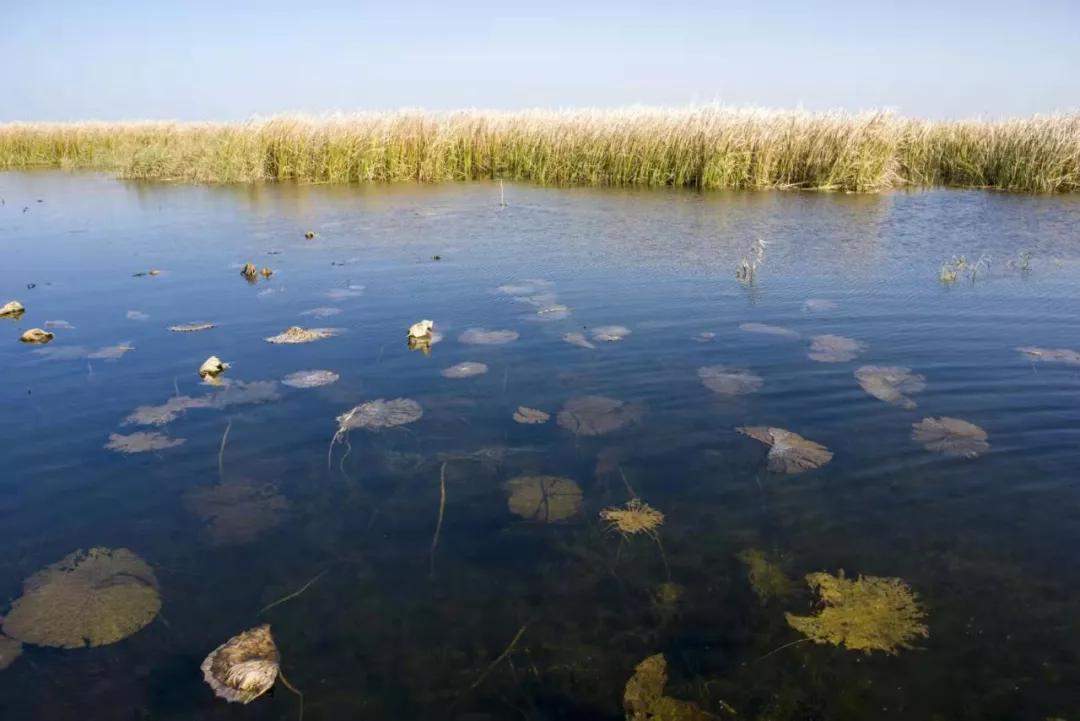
988,544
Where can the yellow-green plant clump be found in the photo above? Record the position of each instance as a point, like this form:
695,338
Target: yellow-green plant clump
766,578
869,613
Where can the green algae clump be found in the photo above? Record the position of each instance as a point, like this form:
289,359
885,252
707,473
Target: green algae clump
766,578
90,598
870,613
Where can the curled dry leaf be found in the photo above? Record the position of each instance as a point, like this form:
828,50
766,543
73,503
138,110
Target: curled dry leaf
244,667
238,511
597,415
190,327
870,613
296,334
577,339
12,308
1051,355
87,598
729,381
547,499
481,336
212,367
381,413
951,436
765,329
610,333
530,416
141,442
467,369
36,335
266,272
421,329
834,348
310,379
788,452
10,649
890,383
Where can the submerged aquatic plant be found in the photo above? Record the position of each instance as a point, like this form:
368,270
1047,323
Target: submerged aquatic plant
530,416
769,582
237,512
834,348
766,329
1051,355
481,336
465,369
788,452
296,334
644,699
610,333
545,499
890,384
951,436
88,598
633,518
597,415
729,381
141,442
577,339
870,613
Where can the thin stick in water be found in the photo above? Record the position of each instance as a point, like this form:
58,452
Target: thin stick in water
221,452
294,594
438,524
506,652
294,689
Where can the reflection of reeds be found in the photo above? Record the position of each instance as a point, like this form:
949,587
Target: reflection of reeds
700,147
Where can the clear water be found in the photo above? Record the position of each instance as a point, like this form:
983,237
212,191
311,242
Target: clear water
989,544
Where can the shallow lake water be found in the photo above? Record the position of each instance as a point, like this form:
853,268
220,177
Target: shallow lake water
390,629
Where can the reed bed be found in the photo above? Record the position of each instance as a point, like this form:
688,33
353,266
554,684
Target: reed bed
709,147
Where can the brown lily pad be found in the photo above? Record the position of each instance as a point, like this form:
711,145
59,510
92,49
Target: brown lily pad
546,499
597,415
481,336
890,384
466,369
951,436
834,348
141,442
729,381
788,452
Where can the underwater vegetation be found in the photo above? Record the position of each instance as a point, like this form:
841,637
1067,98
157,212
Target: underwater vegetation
951,436
644,699
769,582
890,384
869,613
597,415
788,452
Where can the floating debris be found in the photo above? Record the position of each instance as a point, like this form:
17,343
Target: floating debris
190,327
249,271
141,442
380,413
112,352
143,273
871,613
237,512
766,329
555,311
1045,355
834,348
12,308
480,336
212,367
310,379
244,667
530,416
577,339
890,384
350,291
421,329
644,699
748,266
819,305
597,415
322,312
266,272
90,598
467,369
10,649
704,337
61,324
296,334
37,336
729,381
610,333
951,436
137,315
766,578
788,452
545,499
309,234
167,411
633,518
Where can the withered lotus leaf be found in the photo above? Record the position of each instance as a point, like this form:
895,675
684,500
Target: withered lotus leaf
481,336
766,329
1051,355
546,499
644,699
577,339
381,413
729,381
951,436
788,452
238,511
10,649
190,327
141,442
610,333
310,379
597,415
529,416
244,667
834,348
466,369
890,384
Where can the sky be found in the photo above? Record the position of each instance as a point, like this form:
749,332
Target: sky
226,60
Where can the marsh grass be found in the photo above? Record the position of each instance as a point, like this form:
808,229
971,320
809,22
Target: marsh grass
706,147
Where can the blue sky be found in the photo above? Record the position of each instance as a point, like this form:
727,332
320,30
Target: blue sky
229,60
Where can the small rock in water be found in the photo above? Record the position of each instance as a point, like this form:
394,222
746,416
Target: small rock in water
309,234
36,335
12,308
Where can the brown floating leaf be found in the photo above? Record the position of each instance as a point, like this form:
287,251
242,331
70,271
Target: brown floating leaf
1051,355
85,599
296,334
547,499
554,311
788,452
244,667
890,383
238,511
766,329
212,367
232,394
12,308
644,699
834,348
610,333
868,614
480,336
166,412
729,381
577,339
421,329
951,436
467,369
36,335
310,379
597,415
381,413
633,518
141,442
530,416
10,649
190,327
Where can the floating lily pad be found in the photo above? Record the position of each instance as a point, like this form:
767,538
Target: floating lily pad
166,412
352,291
467,369
834,348
310,379
951,436
244,667
238,511
890,383
551,312
547,499
10,649
765,329
577,339
296,334
530,416
480,336
788,452
705,337
141,442
597,415
870,613
381,413
90,598
729,381
1051,355
190,327
610,333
